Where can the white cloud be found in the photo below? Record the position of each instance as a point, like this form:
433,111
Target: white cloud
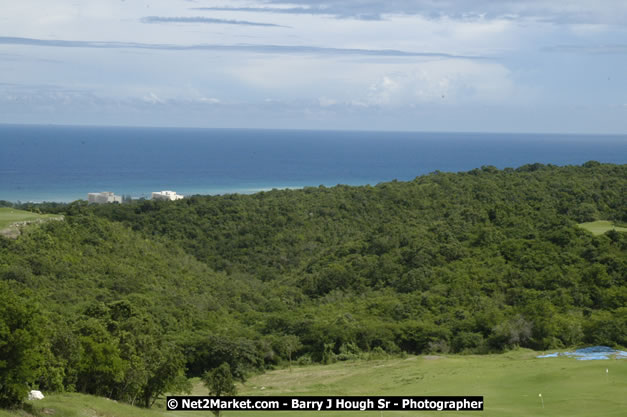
445,82
153,99
560,11
326,102
210,100
531,53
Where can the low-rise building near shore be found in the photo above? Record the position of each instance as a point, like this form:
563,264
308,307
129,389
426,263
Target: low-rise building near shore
166,195
103,198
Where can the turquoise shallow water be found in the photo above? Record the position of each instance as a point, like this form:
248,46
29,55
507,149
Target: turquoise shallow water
64,163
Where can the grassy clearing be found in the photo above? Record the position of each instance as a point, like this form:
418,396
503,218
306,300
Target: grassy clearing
80,405
10,216
510,384
601,226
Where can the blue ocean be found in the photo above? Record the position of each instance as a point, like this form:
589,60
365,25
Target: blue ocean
64,163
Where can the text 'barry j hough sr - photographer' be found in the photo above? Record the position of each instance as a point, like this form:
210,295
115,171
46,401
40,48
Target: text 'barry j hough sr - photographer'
351,403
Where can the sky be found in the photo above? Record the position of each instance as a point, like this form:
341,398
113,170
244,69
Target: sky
415,65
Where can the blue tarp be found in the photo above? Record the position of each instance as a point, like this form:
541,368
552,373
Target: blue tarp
592,353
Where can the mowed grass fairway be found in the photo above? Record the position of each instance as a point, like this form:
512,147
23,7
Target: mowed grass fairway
601,226
8,216
510,384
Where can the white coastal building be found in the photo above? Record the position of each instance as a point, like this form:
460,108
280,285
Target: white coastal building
103,197
166,195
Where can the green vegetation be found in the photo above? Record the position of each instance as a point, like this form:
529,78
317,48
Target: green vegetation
601,226
219,383
19,338
509,382
132,299
82,405
9,216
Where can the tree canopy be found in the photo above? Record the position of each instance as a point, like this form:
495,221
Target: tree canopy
137,295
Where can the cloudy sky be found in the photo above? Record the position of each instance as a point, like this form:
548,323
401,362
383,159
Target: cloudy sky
426,65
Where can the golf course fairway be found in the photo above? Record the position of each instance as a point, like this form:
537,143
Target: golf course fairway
510,384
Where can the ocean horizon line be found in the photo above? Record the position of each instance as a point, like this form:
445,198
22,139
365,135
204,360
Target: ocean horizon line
319,130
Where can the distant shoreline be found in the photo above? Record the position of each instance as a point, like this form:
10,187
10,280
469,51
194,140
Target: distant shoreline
146,196
63,164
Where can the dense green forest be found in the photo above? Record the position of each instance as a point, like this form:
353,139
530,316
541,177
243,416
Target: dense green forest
127,301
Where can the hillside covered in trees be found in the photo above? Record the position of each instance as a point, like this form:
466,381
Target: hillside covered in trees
126,301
